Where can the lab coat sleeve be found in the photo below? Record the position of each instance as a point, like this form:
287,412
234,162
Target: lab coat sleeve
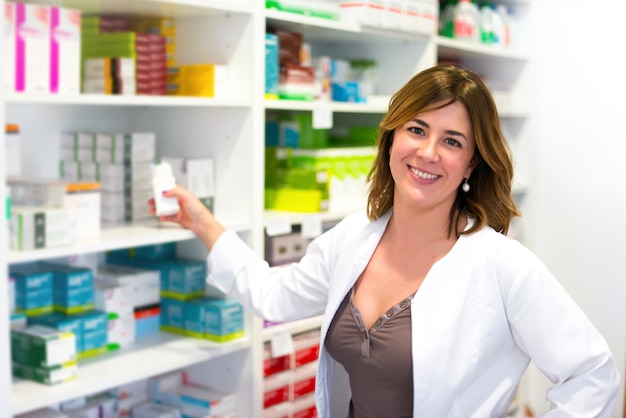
550,327
283,293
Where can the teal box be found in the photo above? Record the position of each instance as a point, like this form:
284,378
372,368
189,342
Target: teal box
172,313
188,277
147,252
223,317
33,289
272,67
194,316
62,322
94,329
73,288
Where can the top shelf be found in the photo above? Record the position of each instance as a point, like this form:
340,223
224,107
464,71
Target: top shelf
124,100
320,29
161,8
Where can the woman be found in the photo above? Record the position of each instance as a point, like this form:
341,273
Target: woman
430,308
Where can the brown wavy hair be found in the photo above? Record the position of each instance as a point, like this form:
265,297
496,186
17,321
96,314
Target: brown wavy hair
489,201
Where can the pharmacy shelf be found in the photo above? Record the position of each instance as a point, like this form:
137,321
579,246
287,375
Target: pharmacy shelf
374,104
163,8
450,48
295,218
319,29
292,328
124,100
117,237
158,353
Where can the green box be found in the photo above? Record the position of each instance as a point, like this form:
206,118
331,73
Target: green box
41,346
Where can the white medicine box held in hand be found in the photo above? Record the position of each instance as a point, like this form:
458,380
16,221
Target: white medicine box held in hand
162,181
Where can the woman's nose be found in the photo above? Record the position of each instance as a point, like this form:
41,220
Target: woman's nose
427,150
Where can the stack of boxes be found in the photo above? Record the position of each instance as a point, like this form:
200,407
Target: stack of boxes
120,61
296,76
130,296
43,354
415,16
62,297
42,49
289,379
185,306
47,214
315,180
120,163
176,390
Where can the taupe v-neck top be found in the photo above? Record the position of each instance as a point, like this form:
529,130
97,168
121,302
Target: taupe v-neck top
378,360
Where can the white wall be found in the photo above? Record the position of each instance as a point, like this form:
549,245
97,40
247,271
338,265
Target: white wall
578,198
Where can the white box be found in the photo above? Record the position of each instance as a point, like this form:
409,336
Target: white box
121,331
9,47
40,227
146,283
152,410
32,48
84,200
126,207
119,177
13,151
64,50
114,298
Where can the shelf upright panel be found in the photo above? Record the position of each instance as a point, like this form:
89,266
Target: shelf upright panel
5,348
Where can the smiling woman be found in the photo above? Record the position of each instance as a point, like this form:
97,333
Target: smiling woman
437,88
428,306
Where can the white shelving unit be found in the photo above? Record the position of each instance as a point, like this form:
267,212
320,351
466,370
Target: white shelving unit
399,55
229,129
225,128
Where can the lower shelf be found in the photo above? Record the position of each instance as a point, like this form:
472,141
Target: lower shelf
159,353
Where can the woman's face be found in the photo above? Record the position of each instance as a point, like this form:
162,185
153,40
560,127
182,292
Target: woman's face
430,156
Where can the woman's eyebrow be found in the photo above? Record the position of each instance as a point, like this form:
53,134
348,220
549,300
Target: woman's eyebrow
449,131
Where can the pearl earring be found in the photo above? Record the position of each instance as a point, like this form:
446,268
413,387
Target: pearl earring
465,187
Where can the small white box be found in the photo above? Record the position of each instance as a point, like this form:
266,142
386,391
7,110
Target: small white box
32,50
84,200
64,50
114,298
121,332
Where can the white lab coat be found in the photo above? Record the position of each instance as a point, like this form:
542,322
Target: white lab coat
482,313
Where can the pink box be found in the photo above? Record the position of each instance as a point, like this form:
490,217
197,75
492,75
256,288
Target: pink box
64,50
32,48
9,47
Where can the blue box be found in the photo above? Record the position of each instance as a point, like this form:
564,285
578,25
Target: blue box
194,317
187,278
147,321
73,288
172,314
272,67
33,289
223,319
95,329
147,252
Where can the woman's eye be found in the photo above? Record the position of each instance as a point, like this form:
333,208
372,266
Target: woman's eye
452,142
416,130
